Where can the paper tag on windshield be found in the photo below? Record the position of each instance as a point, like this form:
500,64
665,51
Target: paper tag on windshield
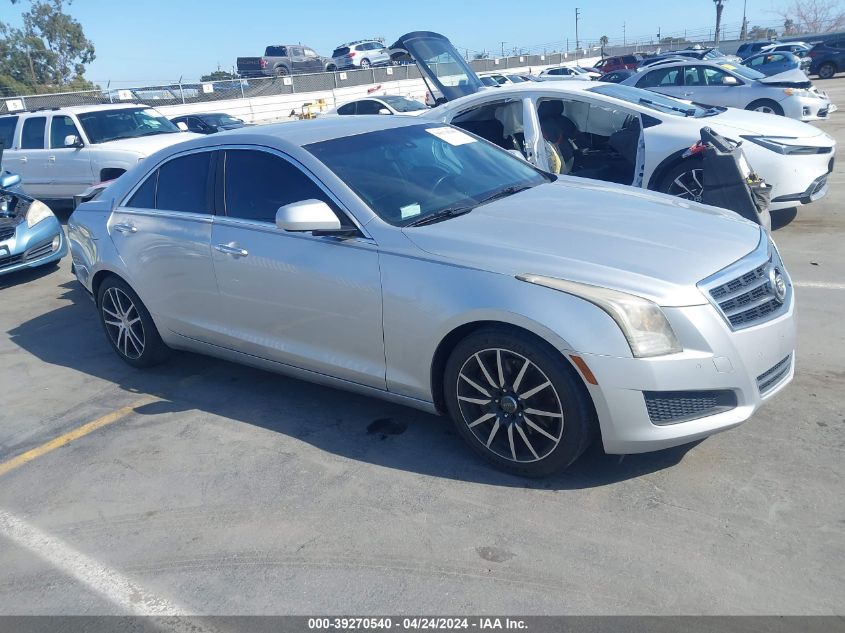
410,211
728,66
451,135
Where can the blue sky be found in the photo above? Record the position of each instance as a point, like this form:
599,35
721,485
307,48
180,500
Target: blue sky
149,41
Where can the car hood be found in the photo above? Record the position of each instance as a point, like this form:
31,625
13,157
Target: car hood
643,243
146,145
734,121
793,78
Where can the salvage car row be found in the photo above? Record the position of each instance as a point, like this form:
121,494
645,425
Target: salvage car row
447,261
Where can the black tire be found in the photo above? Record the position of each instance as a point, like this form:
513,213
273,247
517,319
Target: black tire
542,444
365,64
827,70
765,105
688,172
331,68
138,345
280,71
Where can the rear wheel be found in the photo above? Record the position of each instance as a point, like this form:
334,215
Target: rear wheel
128,325
827,70
365,63
517,403
280,71
766,106
684,180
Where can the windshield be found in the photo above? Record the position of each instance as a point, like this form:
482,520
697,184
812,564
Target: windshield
423,170
110,125
745,71
655,101
401,104
222,119
713,54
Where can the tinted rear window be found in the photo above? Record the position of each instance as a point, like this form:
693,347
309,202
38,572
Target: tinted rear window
145,195
7,129
276,51
343,50
184,184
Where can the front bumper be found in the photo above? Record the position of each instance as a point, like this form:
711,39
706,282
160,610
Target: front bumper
810,108
715,359
32,247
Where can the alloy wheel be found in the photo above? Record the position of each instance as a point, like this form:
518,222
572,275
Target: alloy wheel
510,405
123,323
765,109
688,185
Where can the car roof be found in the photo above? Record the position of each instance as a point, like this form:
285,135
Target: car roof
82,109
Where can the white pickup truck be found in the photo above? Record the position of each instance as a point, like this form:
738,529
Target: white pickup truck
61,152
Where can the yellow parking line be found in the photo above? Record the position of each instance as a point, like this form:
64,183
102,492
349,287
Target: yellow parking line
73,434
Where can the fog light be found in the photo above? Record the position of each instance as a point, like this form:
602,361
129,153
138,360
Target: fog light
806,111
56,242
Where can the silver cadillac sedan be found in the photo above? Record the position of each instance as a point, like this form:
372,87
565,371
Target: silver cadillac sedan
415,262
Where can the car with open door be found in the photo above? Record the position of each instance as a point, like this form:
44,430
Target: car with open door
408,260
617,133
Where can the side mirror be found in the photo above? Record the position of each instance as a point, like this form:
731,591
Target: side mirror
730,80
72,140
384,111
8,180
307,215
182,126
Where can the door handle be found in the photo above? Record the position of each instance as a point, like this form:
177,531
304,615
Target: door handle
231,249
52,159
24,159
125,228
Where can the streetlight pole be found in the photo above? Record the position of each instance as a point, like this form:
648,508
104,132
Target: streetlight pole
624,35
503,48
577,41
744,21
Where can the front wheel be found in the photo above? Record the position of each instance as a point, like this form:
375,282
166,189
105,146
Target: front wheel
365,63
517,403
827,70
684,180
767,106
128,325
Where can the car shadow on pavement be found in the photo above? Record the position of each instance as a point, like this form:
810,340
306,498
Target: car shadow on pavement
26,275
783,217
346,424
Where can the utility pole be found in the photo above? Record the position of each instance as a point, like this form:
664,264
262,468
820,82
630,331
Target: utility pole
577,41
503,48
744,33
624,35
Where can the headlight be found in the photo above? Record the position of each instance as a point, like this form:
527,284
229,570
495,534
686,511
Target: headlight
37,212
776,144
643,323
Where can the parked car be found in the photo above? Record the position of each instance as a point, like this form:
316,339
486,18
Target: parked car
568,72
788,94
488,81
282,60
828,58
775,63
209,122
517,79
30,235
382,104
659,60
360,54
799,49
621,62
702,53
499,78
438,281
618,133
60,152
616,76
747,49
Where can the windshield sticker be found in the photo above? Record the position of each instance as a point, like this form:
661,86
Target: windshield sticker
451,135
728,67
410,211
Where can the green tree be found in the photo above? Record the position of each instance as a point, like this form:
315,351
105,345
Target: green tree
48,54
218,75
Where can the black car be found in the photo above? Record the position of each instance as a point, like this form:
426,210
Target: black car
828,58
615,76
752,48
209,123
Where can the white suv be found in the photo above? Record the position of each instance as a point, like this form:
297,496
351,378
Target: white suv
361,54
61,152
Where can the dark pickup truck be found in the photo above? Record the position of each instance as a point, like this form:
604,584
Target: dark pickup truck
282,60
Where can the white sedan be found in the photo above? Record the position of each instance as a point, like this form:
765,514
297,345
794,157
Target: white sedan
382,104
625,135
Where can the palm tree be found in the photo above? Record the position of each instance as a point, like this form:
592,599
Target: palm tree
603,40
720,4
